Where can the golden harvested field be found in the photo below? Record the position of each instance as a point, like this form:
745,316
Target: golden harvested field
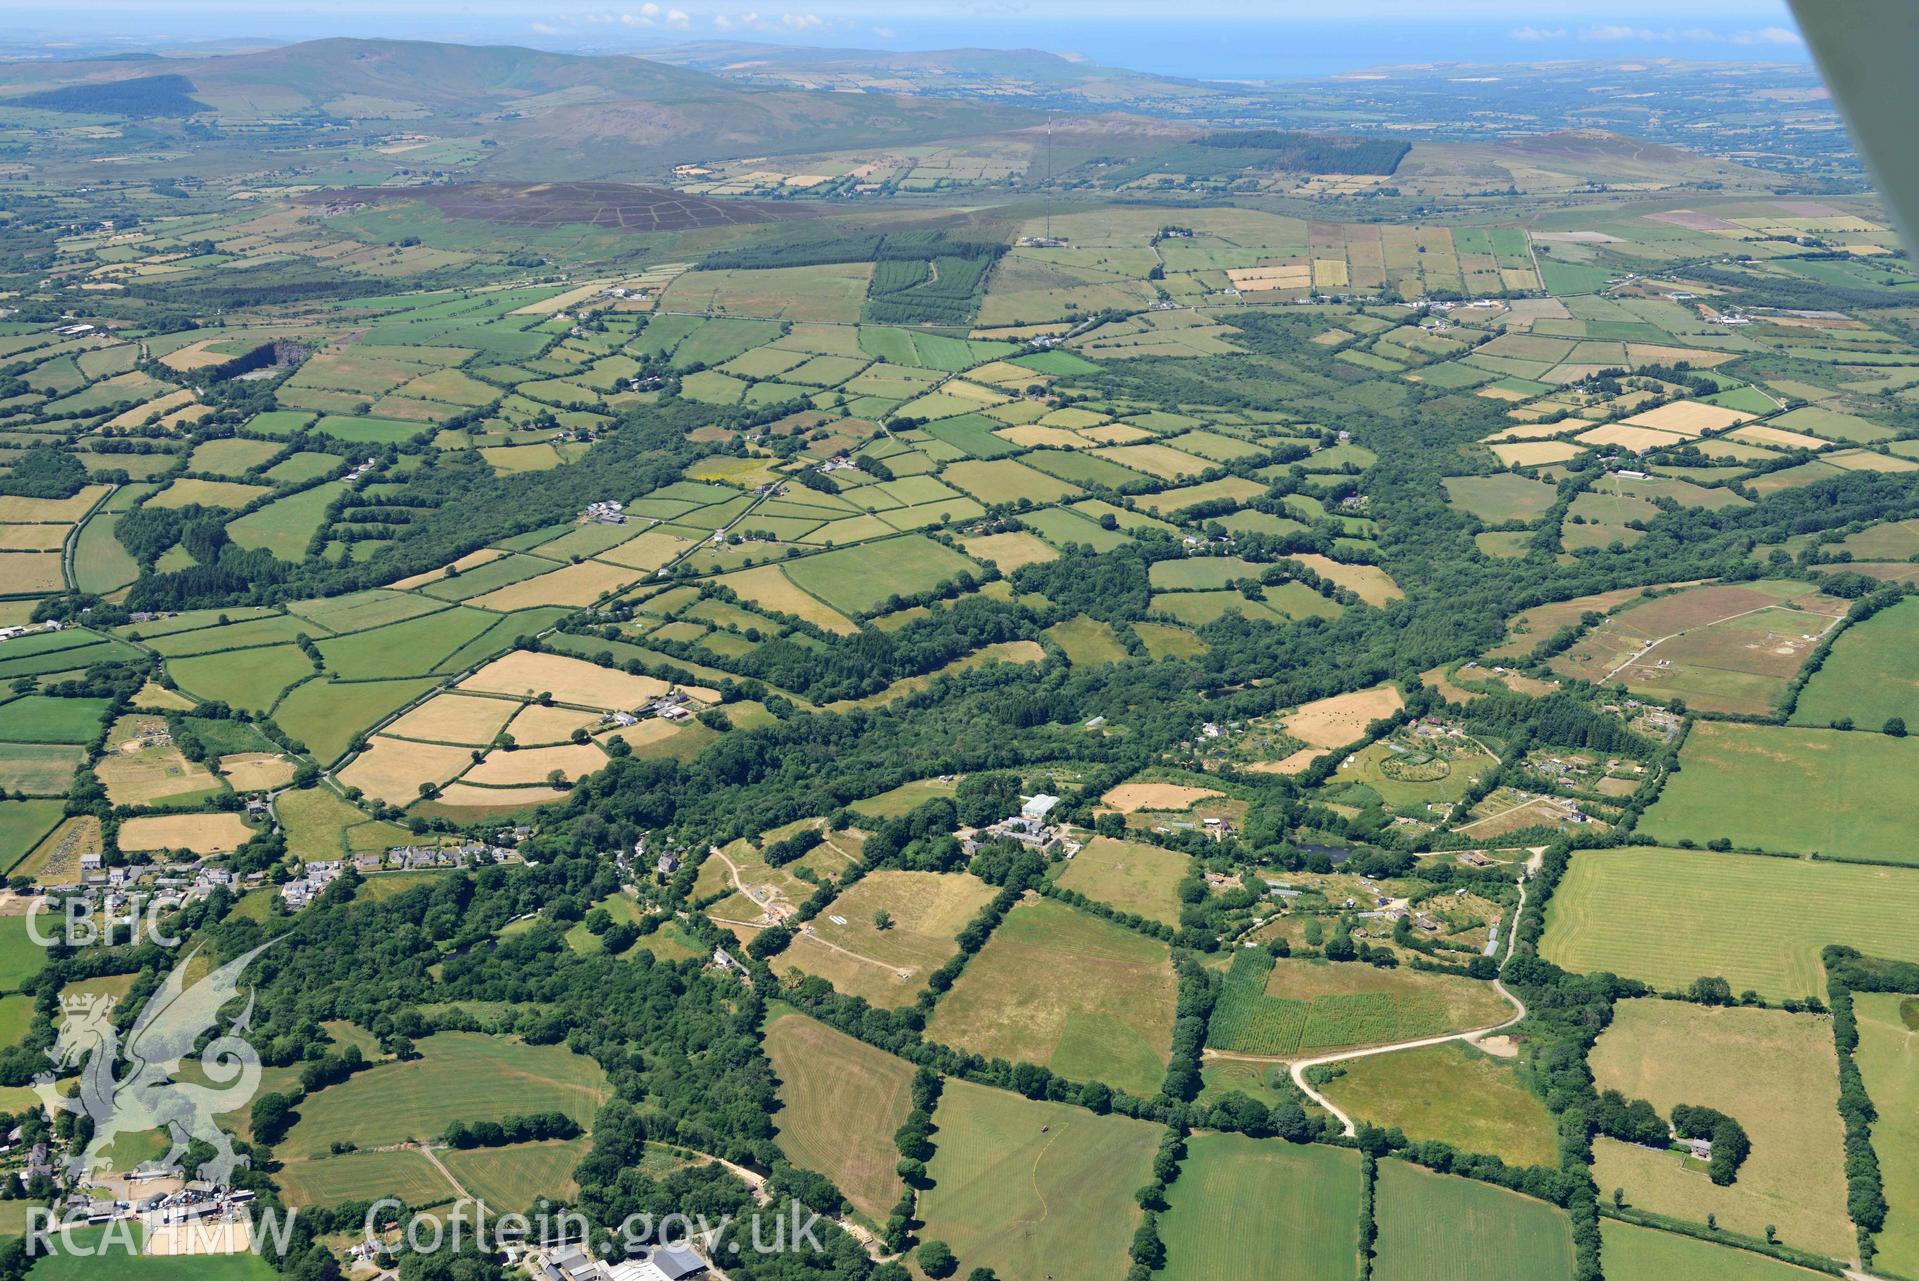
888,968
580,584
455,718
1773,1072
200,833
1536,453
569,680
1633,438
1296,763
56,859
536,724
1342,719
1762,435
648,733
28,511
1128,797
649,551
1282,276
148,774
207,493
767,587
31,572
1162,461
393,769
466,796
1009,551
33,538
1688,418
159,405
534,764
256,771
1368,582
463,564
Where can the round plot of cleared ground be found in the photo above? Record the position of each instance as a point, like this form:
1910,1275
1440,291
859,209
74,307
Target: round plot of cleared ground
1129,875
1438,1227
1059,987
200,833
1032,1189
1666,917
923,913
1776,1074
842,1102
1451,1093
1262,1210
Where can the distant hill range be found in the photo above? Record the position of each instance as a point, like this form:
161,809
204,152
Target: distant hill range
586,116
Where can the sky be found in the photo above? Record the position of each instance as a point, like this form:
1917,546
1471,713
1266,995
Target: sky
1207,39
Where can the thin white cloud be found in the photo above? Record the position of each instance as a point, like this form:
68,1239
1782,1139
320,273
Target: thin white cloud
1783,36
1615,34
1532,35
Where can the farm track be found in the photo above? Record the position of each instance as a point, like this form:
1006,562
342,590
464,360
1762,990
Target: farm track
1299,1066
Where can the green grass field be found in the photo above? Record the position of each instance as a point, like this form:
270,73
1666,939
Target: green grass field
1502,497
20,957
1634,1253
1667,917
407,648
252,679
1294,1005
1087,641
38,718
1034,1189
1435,1227
857,579
22,824
1792,790
460,1076
359,1176
508,1179
903,799
285,525
1261,1210
327,715
1888,1059
1871,674
320,825
1129,875
1070,991
1451,1093
842,1100
1773,1072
